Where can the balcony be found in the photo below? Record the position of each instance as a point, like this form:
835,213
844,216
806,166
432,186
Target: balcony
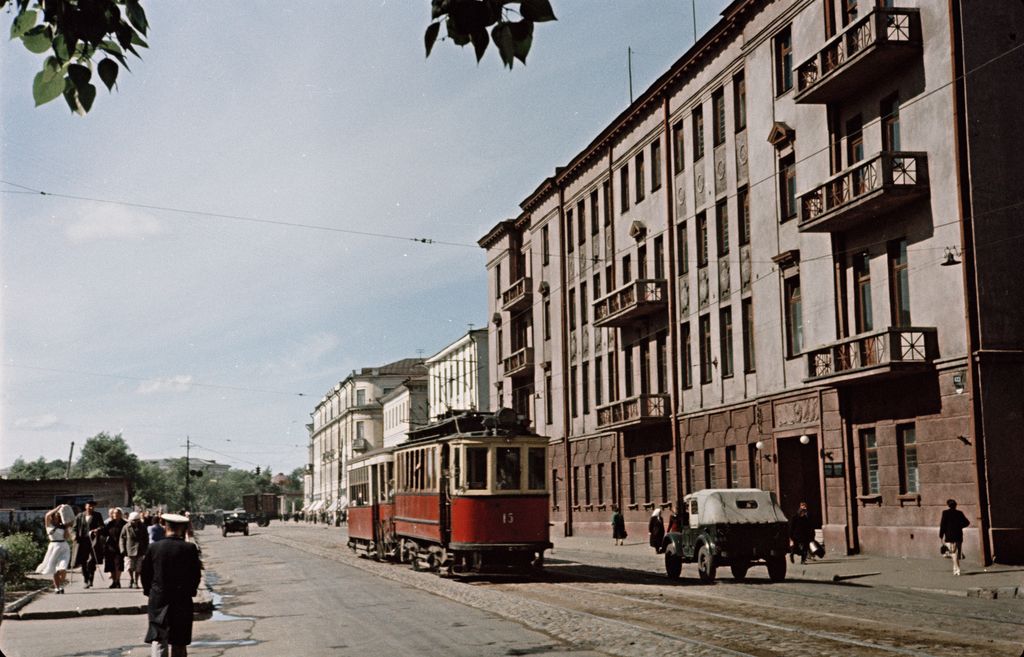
631,302
868,49
635,411
885,353
518,295
866,190
520,362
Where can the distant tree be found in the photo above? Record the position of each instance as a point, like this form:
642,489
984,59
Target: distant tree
296,479
38,469
104,455
155,486
510,22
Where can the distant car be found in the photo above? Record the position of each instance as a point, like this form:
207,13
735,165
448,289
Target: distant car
735,527
234,522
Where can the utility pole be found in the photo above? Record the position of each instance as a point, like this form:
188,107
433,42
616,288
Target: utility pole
67,475
693,13
188,473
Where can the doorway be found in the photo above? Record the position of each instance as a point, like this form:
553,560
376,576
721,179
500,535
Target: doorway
799,476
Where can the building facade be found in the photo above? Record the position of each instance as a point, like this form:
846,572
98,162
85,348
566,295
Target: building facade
458,376
788,265
405,408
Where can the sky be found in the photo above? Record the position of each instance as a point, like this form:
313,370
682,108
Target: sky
208,281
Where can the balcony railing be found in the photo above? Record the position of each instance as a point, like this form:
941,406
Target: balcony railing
518,295
519,362
631,302
642,409
868,49
880,353
867,189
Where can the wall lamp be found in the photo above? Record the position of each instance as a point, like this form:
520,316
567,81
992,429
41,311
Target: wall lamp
952,253
759,445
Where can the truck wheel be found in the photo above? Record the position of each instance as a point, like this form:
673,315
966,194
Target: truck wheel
245,531
673,565
706,565
776,569
224,532
739,570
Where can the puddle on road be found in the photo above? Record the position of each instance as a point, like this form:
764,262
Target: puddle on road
225,643
218,600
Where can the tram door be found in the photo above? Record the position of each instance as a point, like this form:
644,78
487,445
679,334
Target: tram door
445,496
799,478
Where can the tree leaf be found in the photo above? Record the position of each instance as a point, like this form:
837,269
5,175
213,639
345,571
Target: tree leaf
501,34
137,15
86,94
537,11
438,8
137,41
522,35
480,42
37,39
460,38
107,69
79,74
431,36
46,86
60,48
23,23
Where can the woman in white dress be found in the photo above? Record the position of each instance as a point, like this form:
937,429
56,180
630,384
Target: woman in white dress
58,552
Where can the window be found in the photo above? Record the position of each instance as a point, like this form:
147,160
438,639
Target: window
641,261
360,397
899,283
718,116
656,164
747,319
732,468
783,62
547,319
752,463
849,11
598,382
690,472
627,269
682,246
648,478
862,292
678,160
890,113
476,468
659,256
698,133
584,315
739,100
360,430
906,442
569,246
575,485
794,317
549,402
645,367
869,454
627,372
687,355
595,221
638,172
585,386
497,281
508,468
665,476
572,392
661,362
624,189
705,348
722,227
536,462
702,240
613,391
709,468
554,488
597,286
607,187
600,483
743,207
572,310
854,140
787,187
586,485
545,241
632,481
725,334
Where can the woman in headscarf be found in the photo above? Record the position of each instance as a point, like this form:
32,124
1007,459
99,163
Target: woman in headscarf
656,528
113,560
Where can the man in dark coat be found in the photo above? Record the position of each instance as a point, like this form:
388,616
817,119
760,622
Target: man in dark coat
801,533
656,529
170,578
88,541
951,531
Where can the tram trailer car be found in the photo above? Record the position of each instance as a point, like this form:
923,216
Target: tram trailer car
469,496
371,509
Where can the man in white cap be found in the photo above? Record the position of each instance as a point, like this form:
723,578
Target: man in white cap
134,542
170,578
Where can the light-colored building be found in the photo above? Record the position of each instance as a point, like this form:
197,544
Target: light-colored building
405,408
349,420
789,264
457,376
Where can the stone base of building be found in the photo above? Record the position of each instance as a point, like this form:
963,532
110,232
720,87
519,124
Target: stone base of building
915,543
1008,545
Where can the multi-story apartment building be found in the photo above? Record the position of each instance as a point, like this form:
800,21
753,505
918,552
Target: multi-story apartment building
788,264
405,408
349,420
457,376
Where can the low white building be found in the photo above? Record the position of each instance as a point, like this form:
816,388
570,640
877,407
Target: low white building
405,408
457,376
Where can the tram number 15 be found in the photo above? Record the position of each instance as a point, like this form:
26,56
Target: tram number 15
507,519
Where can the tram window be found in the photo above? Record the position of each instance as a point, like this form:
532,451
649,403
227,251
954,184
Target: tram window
509,468
456,469
537,463
476,468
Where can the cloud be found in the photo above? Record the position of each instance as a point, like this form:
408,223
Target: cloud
109,222
36,422
180,383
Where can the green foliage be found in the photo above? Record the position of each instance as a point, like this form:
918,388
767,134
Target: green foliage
467,21
38,469
75,32
24,553
104,455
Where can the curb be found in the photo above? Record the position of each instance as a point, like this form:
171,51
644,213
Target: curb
202,603
11,608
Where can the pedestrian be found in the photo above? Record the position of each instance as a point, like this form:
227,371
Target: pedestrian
951,532
88,542
58,552
170,579
618,526
113,558
156,530
134,542
801,533
656,529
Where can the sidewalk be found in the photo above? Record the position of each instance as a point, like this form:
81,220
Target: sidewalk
932,575
99,601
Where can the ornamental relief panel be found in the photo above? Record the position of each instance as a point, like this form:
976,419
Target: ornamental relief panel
720,178
684,297
703,293
796,413
724,280
745,268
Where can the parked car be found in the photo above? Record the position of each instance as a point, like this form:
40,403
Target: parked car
735,527
234,522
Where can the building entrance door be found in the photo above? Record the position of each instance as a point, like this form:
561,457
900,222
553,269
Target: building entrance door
799,478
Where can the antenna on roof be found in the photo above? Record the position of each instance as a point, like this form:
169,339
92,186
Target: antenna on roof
629,66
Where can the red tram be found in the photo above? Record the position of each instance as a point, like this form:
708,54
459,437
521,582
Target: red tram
466,494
